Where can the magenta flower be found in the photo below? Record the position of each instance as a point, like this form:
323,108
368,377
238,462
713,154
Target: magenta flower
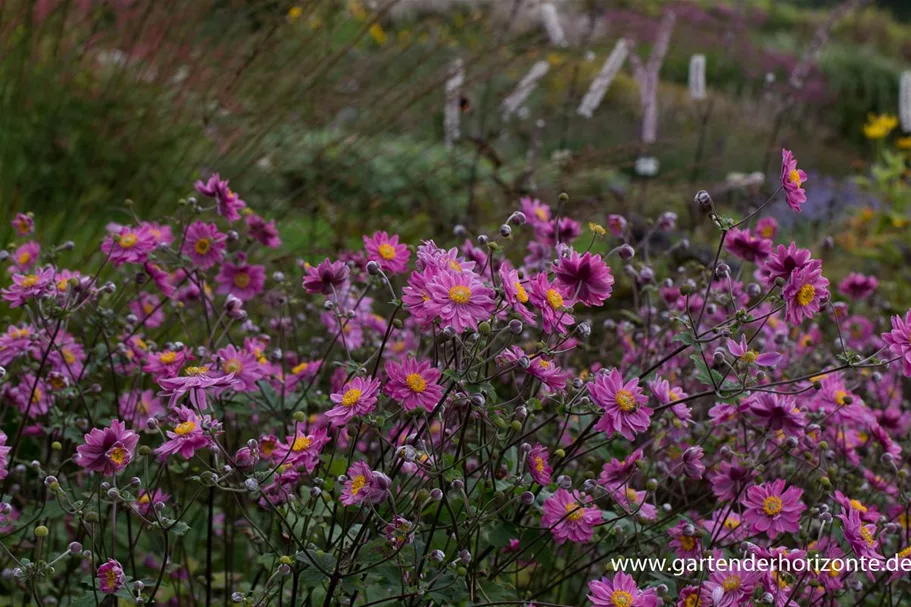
138,406
23,224
241,280
459,299
536,212
516,295
772,510
685,545
742,352
195,382
160,232
364,484
327,277
777,412
633,502
148,310
15,342
161,279
617,225
541,368
264,232
744,245
691,463
586,276
860,536
4,456
899,340
25,257
301,450
243,366
781,263
386,251
146,501
620,591
805,292
413,384
539,464
567,517
33,398
129,245
792,179
204,244
550,299
110,577
107,450
188,435
858,286
357,397
767,227
623,405
166,363
228,204
732,585
28,286
400,532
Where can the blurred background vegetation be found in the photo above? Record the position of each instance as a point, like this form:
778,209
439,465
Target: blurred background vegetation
328,114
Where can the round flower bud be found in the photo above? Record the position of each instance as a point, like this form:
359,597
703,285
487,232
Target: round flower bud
626,252
41,531
458,484
527,498
437,555
373,268
505,231
564,481
237,597
252,485
515,326
702,198
74,548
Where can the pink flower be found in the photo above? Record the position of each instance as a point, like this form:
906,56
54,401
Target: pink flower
161,279
148,310
732,585
23,224
617,225
535,211
28,286
805,292
516,295
567,517
539,464
781,263
166,363
145,501
241,280
110,577
857,286
541,368
585,276
243,366
459,299
357,397
302,449
550,299
161,233
633,502
742,352
204,244
791,180
129,245
4,455
413,384
691,462
25,257
138,406
195,382
188,435
767,227
860,536
744,245
899,340
15,342
620,591
685,545
623,405
32,397
772,510
386,251
327,277
364,484
227,203
264,232
777,412
107,450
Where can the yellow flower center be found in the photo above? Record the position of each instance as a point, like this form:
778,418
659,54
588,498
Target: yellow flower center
110,577
19,333
794,177
692,601
351,397
731,523
868,537
521,293
806,294
184,428
731,583
554,299
128,241
631,496
301,443
574,512
300,368
148,308
37,396
460,294
840,396
626,401
541,214
905,553
241,280
386,251
24,258
194,371
358,483
772,505
168,357
29,281
544,364
539,465
144,498
687,543
202,246
232,365
416,383
118,455
455,265
68,356
621,598
749,356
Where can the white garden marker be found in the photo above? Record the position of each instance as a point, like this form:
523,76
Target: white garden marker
904,101
603,80
451,111
551,20
647,77
525,88
697,77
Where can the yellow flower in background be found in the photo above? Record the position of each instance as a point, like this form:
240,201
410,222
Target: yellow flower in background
357,10
879,125
294,13
554,58
597,228
378,34
903,143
